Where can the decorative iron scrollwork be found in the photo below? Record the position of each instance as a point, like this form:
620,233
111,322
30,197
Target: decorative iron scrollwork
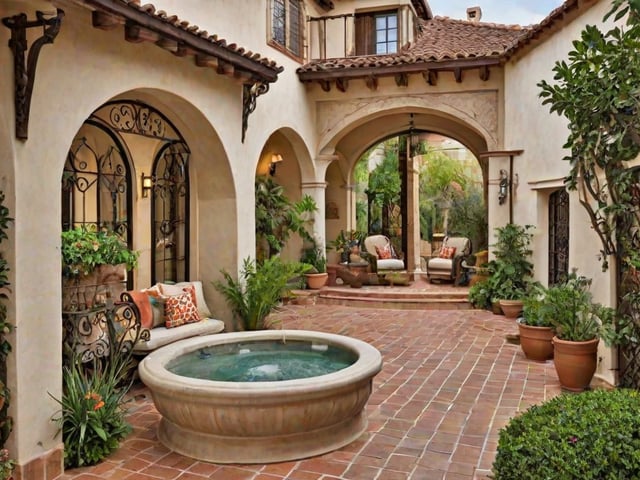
250,92
25,71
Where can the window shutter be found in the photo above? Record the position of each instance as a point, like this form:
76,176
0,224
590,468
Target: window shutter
365,34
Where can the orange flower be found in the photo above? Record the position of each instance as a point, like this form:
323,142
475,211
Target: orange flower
98,405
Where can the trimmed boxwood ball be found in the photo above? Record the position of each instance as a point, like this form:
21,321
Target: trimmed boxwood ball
591,435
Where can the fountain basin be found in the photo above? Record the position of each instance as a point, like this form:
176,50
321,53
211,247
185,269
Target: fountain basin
260,422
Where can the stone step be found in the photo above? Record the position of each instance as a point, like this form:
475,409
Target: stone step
394,298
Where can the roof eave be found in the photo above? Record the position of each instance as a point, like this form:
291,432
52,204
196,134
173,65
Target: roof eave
249,67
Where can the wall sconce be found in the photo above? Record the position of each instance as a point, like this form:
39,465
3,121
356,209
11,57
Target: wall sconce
503,186
147,184
276,158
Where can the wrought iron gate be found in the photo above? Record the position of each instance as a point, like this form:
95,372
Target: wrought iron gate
558,236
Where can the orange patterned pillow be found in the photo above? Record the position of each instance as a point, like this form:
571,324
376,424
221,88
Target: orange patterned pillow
180,310
447,252
384,253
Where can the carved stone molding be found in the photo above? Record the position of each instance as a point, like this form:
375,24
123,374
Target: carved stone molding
25,68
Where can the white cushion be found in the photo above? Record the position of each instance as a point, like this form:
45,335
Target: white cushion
176,289
390,264
163,336
438,263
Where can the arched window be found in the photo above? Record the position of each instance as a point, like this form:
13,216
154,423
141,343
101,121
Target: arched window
97,181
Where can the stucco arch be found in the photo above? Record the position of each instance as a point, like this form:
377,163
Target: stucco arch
351,127
287,142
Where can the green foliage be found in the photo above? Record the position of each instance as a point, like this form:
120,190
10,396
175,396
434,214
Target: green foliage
346,239
591,435
277,217
6,327
259,289
480,295
596,90
536,311
511,273
468,217
576,317
86,246
315,258
6,465
92,414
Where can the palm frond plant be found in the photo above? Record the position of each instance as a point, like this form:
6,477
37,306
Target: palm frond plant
258,290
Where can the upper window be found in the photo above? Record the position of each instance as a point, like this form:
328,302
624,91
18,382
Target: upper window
386,33
376,33
286,25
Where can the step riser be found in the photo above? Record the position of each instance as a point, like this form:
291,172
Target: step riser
395,303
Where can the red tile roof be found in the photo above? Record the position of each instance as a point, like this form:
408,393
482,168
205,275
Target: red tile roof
440,39
445,41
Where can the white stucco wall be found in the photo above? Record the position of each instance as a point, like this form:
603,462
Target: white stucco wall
530,126
84,68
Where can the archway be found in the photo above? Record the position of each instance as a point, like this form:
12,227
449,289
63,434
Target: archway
366,128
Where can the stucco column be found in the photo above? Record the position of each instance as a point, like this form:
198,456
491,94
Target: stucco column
413,214
316,191
500,206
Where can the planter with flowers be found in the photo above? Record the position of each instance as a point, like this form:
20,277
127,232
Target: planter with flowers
535,326
94,266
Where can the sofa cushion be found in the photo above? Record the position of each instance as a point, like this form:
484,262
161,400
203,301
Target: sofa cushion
390,264
177,288
141,299
447,252
384,253
180,309
161,336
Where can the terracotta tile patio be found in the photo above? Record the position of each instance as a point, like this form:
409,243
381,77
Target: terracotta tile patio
449,382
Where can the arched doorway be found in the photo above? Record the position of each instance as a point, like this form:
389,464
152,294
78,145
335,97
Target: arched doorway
98,182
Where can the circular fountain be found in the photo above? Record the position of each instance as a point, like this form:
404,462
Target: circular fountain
260,418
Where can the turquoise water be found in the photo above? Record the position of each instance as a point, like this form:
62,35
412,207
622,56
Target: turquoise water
262,361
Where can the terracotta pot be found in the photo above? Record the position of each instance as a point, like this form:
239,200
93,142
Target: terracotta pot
511,308
495,308
575,362
536,342
332,274
316,281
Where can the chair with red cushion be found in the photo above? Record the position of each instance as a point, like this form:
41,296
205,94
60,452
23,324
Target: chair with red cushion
446,263
382,256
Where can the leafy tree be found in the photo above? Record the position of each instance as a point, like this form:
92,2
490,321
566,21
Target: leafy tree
277,217
442,180
384,184
597,91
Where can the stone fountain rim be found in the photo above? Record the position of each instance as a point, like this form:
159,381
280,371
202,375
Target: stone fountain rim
153,372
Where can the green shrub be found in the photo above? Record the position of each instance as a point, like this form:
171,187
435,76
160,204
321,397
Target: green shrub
591,435
259,289
92,413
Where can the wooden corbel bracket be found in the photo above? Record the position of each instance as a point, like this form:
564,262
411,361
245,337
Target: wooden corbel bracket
250,92
25,68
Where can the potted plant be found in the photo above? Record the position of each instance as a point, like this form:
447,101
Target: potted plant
345,241
94,262
511,271
535,326
579,324
277,217
317,274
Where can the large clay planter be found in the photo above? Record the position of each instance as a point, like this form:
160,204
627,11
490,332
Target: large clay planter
511,308
316,281
536,342
575,362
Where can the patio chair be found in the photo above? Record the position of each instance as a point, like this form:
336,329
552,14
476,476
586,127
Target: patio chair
447,263
382,257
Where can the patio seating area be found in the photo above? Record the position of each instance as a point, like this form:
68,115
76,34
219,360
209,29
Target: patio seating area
449,382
